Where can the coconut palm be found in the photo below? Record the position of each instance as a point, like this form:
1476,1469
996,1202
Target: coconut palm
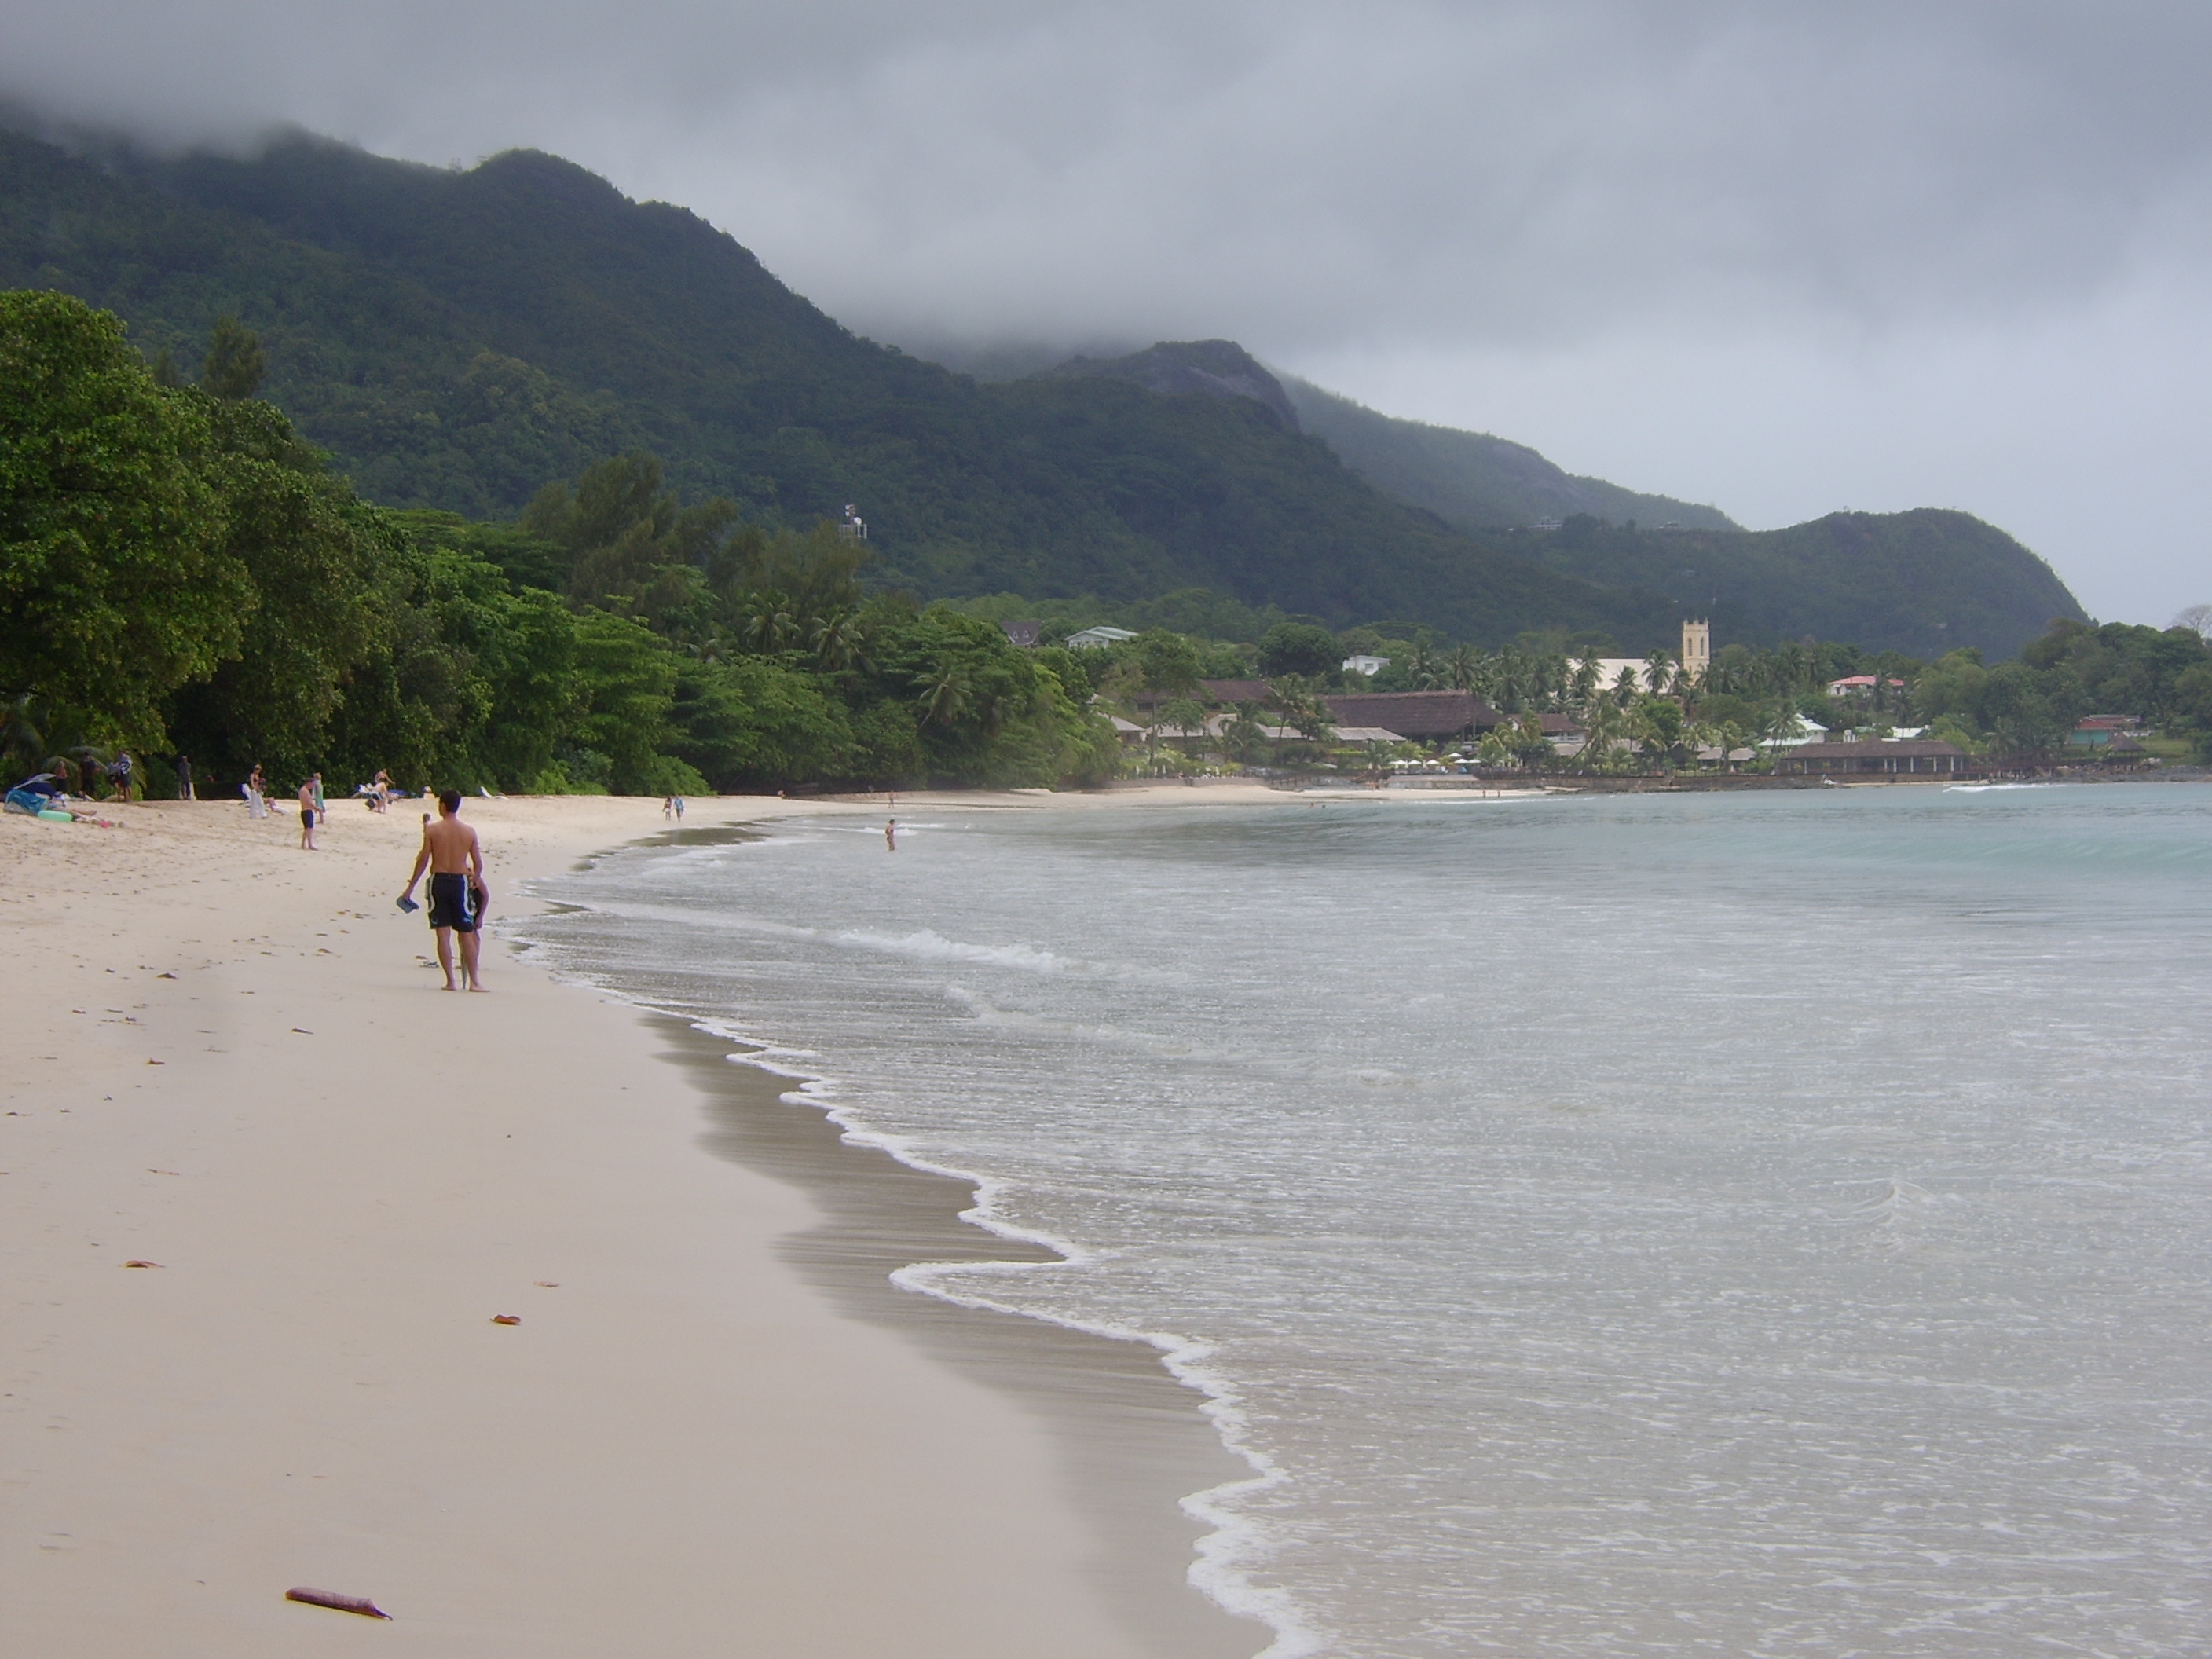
1605,727
1582,687
836,640
1463,669
1421,666
766,621
944,694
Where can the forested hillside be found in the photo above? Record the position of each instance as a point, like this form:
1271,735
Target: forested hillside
1922,583
457,338
1471,479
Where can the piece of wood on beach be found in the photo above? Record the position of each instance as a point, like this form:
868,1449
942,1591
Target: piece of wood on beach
507,1319
319,1598
135,1262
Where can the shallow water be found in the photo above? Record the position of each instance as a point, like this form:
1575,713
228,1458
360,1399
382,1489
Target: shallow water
1775,1224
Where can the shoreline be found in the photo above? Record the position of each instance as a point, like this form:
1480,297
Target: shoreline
715,1419
1130,1438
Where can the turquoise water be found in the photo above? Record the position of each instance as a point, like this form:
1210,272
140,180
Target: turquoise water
1657,1225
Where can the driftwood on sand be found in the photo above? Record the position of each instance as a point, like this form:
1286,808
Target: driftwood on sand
360,1604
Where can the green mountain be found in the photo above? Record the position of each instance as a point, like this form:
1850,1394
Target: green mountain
1471,479
458,338
1922,582
1182,369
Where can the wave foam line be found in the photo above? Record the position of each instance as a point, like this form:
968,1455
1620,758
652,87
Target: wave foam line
923,944
1235,1543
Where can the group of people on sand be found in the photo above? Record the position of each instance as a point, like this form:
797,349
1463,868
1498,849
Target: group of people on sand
314,808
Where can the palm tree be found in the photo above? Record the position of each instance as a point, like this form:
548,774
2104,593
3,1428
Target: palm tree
1603,726
1463,669
944,694
836,640
1303,708
1658,671
1421,666
766,622
1583,686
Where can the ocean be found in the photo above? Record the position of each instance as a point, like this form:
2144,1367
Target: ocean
1617,1224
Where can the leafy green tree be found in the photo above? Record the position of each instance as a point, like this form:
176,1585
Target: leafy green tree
118,578
750,724
1299,648
1170,665
626,681
2028,712
1659,725
323,567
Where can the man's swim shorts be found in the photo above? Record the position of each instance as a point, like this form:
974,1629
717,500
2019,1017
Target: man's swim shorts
452,903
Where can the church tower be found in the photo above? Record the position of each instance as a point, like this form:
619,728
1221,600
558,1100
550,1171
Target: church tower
1697,648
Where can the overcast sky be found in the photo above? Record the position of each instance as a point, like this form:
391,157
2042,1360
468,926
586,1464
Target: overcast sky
1785,259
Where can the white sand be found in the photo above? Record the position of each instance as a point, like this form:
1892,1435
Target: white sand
344,1174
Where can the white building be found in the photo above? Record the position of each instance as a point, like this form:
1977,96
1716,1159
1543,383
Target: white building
1091,637
1364,664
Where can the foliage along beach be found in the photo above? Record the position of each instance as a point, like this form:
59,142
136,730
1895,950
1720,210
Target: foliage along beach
185,575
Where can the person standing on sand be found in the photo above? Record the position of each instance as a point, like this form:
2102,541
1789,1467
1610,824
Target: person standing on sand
455,858
257,793
308,816
185,778
891,835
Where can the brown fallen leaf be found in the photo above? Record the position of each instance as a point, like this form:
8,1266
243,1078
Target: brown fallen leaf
157,1062
164,976
360,1604
507,1319
134,1262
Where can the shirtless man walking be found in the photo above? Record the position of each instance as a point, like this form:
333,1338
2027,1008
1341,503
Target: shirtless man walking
455,860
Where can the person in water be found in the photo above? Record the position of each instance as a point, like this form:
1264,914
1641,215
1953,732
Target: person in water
891,835
454,858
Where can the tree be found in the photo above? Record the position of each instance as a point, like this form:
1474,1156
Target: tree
2029,712
753,723
627,689
1299,648
1170,663
234,367
1302,709
1658,725
324,569
118,581
2197,619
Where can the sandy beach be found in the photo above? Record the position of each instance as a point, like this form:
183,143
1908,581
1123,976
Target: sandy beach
714,1429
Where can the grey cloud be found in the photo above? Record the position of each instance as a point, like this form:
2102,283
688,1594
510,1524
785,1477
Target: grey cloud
1379,189
1302,173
